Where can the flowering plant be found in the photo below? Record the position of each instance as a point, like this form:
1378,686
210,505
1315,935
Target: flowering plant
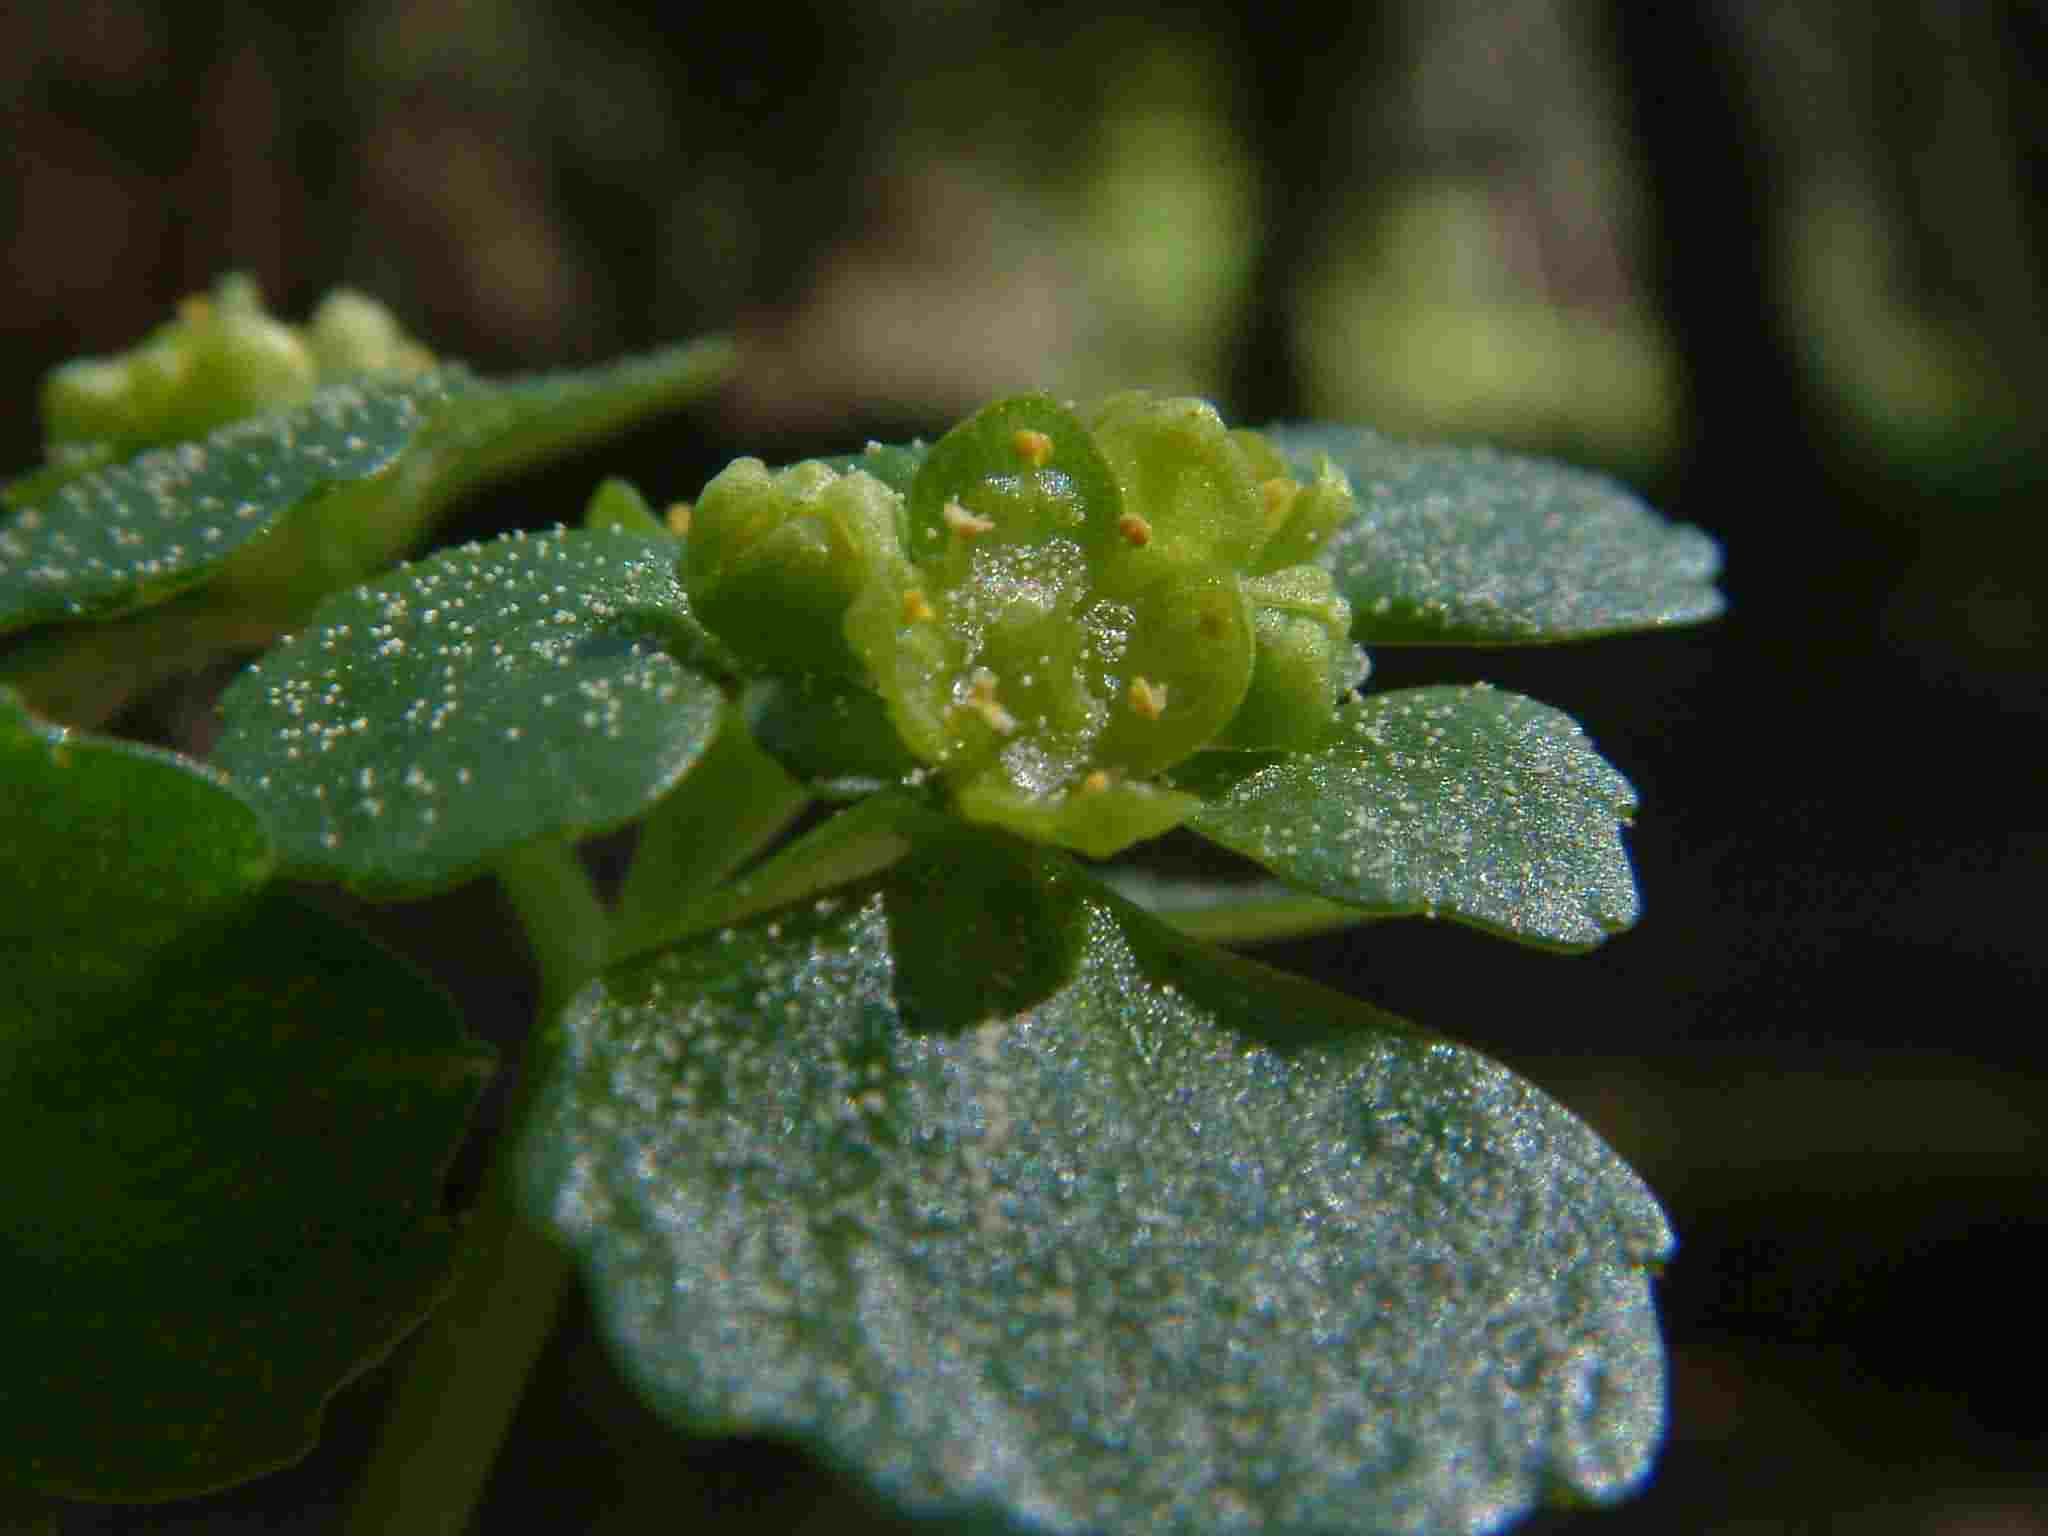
894,1101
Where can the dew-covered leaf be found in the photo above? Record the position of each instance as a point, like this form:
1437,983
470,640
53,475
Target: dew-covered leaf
1466,803
487,697
1470,546
222,1201
1131,1236
361,470
112,851
140,531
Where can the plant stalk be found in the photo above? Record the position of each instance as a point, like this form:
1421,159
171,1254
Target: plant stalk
462,1385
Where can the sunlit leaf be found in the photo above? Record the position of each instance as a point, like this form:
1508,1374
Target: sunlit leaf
1465,803
138,532
1110,1232
1470,546
352,478
488,697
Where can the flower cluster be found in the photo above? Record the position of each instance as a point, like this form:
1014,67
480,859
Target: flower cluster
1055,604
223,356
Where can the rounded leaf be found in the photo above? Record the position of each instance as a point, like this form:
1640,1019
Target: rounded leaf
1465,803
1101,1229
113,851
223,1202
135,533
488,697
1470,546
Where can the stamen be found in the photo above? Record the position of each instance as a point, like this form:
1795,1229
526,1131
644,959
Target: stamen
964,523
1278,495
981,698
1135,528
1148,699
1034,448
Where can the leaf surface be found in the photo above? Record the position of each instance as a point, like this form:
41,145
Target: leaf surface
1099,1229
140,531
488,697
113,851
1470,546
225,1203
369,461
1466,803
225,1119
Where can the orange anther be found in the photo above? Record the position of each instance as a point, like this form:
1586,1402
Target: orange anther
1034,448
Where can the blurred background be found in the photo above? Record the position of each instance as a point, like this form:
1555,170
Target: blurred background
1778,265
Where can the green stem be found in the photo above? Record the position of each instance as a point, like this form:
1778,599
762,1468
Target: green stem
459,1390
861,841
735,801
462,1385
566,924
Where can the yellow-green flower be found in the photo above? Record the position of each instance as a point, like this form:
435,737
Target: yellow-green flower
1062,605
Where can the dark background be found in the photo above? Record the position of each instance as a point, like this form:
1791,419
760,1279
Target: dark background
1778,265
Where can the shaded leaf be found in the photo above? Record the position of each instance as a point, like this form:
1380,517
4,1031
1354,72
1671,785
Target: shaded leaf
224,1202
488,697
1465,803
1229,911
827,728
1470,546
1189,1245
113,851
894,464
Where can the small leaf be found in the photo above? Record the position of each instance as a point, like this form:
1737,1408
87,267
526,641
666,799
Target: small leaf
1229,911
371,461
827,728
894,464
113,851
1466,803
1469,546
222,1202
135,533
1187,1245
488,697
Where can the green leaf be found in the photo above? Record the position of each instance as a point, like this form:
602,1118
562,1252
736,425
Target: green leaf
113,851
829,729
1229,911
1467,803
894,464
371,461
1185,1245
1469,546
222,1204
136,533
488,697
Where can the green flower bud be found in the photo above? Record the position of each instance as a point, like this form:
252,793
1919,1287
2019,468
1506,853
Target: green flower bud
350,333
775,558
1305,661
221,358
